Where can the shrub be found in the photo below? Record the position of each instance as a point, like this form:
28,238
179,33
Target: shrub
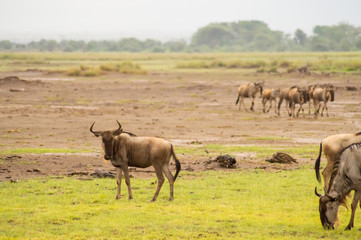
74,72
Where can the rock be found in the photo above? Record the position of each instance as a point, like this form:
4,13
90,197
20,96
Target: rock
99,173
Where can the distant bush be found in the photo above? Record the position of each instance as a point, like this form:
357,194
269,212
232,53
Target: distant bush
123,67
220,64
75,72
84,71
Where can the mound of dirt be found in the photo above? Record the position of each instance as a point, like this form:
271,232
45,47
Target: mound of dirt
224,161
14,81
280,157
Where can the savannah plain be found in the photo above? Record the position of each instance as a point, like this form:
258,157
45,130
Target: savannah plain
47,153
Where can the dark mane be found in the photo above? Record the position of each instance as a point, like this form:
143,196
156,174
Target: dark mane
357,145
337,163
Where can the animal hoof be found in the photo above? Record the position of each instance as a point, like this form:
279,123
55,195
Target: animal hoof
348,228
130,198
171,199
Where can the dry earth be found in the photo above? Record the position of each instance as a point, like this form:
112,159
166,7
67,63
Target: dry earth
41,110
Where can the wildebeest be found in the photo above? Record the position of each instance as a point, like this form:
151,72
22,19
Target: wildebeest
311,88
297,96
283,95
347,177
249,90
332,147
323,95
269,95
127,150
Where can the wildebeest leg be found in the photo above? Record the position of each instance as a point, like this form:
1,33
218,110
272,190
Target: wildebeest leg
127,181
264,100
279,106
356,199
243,104
288,108
270,105
292,112
158,171
119,182
317,107
252,105
325,107
170,177
303,110
298,112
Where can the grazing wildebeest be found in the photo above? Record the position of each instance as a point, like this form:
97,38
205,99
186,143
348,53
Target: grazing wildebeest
323,95
283,95
127,150
332,147
249,90
347,177
297,96
269,95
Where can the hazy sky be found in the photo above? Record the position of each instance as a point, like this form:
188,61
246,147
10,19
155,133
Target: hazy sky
24,20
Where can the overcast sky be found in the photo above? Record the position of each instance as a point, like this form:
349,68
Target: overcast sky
24,20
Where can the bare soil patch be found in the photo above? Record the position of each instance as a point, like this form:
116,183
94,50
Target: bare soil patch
184,108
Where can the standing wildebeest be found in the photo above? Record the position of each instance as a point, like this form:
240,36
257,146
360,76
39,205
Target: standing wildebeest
332,147
311,88
347,177
297,96
322,95
249,90
283,95
124,149
269,95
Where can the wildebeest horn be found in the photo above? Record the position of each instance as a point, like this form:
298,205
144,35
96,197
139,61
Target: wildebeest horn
330,197
317,194
95,133
119,130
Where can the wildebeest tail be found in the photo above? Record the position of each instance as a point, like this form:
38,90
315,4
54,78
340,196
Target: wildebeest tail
237,99
177,163
317,164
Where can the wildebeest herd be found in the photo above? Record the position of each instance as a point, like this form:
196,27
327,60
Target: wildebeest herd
320,95
341,175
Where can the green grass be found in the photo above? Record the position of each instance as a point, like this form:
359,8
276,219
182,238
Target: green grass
210,205
42,150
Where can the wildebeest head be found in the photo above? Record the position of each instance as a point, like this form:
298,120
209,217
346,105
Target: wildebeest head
332,94
328,207
259,86
107,140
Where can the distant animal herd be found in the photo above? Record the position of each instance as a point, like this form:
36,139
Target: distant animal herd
320,95
343,151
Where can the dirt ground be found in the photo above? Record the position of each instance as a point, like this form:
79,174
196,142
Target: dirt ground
41,110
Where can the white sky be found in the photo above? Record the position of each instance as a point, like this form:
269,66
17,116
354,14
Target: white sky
25,20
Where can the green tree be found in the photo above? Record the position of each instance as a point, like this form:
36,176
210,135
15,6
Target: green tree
213,35
300,37
6,45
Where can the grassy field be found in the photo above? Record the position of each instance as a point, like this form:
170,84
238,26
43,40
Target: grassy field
93,64
211,205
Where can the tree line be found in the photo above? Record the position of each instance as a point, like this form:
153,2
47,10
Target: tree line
241,36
